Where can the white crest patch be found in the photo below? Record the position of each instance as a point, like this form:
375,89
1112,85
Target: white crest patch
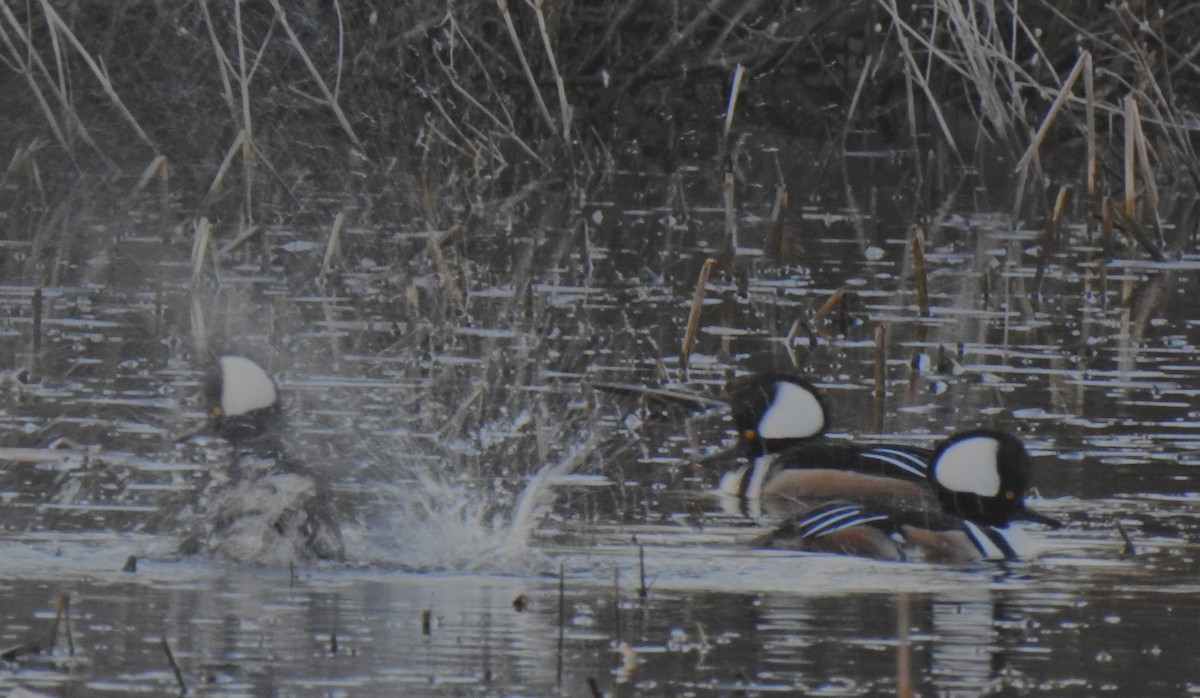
245,386
970,466
795,413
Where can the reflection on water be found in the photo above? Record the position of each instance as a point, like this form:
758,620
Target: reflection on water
1047,628
446,391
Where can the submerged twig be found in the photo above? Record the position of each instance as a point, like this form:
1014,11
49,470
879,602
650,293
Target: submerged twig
166,646
1129,548
643,590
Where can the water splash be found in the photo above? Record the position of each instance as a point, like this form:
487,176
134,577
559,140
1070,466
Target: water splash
432,522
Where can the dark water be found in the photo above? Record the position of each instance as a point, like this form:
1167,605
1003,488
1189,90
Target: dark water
446,391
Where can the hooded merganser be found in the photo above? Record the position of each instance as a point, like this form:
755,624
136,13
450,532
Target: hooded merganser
779,419
980,477
265,506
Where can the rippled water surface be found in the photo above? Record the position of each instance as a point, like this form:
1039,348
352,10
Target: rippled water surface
517,527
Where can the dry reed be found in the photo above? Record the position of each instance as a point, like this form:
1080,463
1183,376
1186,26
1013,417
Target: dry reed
693,321
917,247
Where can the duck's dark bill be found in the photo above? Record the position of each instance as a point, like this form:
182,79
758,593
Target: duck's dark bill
1035,517
202,431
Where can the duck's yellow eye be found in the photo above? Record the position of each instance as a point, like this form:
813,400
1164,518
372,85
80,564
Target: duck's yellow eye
216,412
749,433
1010,494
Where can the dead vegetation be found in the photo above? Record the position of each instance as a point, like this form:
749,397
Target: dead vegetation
436,107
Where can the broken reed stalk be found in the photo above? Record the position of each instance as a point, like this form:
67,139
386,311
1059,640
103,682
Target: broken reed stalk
237,241
731,105
862,81
227,162
166,646
1089,91
775,244
731,231
880,361
1046,242
160,169
1135,232
562,596
156,168
879,393
910,101
693,322
835,300
617,605
918,258
643,590
793,334
62,614
199,325
562,618
332,248
1106,245
1129,548
201,248
1130,155
37,326
1143,164
904,683
64,603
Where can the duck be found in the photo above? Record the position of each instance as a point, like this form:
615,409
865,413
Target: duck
781,421
980,477
265,505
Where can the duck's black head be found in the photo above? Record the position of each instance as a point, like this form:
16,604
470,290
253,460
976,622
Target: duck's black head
242,402
982,475
772,411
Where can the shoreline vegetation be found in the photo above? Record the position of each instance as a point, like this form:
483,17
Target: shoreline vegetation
246,113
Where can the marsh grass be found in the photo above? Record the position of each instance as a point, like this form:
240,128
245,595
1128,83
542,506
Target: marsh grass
475,100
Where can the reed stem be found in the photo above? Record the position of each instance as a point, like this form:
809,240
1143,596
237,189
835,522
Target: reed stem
693,321
918,257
